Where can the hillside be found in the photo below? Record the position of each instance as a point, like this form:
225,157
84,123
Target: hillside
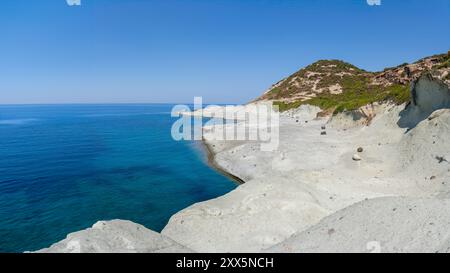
336,86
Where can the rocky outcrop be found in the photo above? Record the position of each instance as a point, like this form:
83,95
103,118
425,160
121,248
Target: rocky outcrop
303,113
116,236
354,118
428,94
391,224
406,73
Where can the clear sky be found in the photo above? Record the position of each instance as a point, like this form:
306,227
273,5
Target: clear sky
227,51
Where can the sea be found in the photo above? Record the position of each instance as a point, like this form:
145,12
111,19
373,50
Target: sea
64,167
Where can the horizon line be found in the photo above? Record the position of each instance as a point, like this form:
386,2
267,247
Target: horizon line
104,103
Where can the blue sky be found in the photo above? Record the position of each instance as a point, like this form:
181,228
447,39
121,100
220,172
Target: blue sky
228,51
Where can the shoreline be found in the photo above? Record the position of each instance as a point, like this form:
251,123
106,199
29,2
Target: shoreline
213,164
314,211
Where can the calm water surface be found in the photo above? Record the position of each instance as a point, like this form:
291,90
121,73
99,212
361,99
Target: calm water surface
64,167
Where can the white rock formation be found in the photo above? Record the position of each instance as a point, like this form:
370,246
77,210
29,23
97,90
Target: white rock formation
303,113
428,95
311,176
391,224
116,236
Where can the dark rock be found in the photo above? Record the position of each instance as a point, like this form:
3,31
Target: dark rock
441,159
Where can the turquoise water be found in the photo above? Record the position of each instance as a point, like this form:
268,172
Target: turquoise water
64,167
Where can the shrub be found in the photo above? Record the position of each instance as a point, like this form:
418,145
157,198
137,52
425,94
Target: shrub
446,64
355,95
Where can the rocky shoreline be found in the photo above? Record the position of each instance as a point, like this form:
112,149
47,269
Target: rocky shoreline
213,164
311,194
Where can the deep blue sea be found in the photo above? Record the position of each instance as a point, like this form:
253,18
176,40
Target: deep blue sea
65,167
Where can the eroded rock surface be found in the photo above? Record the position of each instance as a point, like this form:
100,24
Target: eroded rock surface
391,224
116,236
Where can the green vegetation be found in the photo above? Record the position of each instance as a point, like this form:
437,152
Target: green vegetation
444,61
356,94
357,85
275,92
445,64
354,99
326,71
335,66
283,106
